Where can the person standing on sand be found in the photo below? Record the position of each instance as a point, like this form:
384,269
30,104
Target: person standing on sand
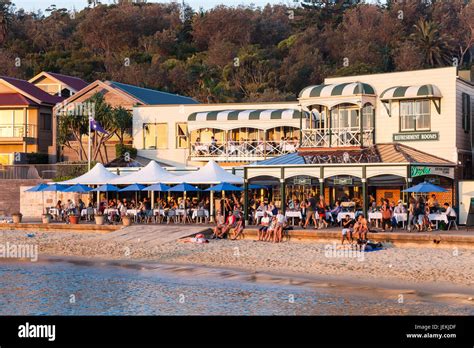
311,211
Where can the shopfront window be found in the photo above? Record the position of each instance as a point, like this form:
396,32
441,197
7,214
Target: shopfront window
155,136
415,115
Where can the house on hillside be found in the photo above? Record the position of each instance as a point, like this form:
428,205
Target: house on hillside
58,84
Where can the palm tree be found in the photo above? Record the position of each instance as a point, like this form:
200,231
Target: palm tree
433,45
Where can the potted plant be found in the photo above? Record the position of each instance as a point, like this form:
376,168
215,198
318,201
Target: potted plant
16,217
127,220
46,218
99,218
73,218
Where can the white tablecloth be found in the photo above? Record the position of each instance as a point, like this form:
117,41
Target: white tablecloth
203,148
159,212
133,212
400,217
195,211
293,214
111,211
375,216
259,214
438,217
54,211
84,212
342,215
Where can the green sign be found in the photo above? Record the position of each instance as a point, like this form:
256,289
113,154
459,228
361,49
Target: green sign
343,181
442,171
429,136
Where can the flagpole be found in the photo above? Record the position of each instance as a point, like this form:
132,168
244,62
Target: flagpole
89,146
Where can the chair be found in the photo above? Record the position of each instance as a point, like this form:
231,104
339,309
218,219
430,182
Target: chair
451,223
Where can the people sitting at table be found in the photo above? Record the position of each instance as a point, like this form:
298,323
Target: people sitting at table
386,215
264,223
398,209
450,213
347,226
433,203
361,228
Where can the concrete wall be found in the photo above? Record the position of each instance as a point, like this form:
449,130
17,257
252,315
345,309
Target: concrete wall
10,194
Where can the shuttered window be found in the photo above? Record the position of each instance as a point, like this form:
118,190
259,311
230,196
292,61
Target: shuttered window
466,112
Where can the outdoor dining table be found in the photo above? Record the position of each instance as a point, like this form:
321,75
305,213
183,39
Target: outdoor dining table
438,217
111,211
293,214
259,215
377,216
54,211
401,217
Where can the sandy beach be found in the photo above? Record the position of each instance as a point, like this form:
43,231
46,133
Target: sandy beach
448,266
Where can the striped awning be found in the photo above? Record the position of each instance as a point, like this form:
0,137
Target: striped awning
410,92
340,89
246,115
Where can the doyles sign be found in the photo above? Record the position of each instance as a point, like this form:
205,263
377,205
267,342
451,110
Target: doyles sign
442,171
416,136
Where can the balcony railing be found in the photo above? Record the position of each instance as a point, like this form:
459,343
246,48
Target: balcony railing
337,137
243,150
17,131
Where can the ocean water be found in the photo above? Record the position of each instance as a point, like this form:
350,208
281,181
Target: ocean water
65,287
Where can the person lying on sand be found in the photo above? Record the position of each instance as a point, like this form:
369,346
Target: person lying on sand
199,239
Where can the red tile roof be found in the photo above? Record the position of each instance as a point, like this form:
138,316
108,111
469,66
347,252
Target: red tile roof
32,90
74,82
15,99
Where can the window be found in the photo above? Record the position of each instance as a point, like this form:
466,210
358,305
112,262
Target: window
415,115
466,112
45,122
368,116
181,135
155,136
344,117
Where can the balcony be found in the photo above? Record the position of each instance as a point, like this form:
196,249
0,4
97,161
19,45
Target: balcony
17,133
241,151
337,137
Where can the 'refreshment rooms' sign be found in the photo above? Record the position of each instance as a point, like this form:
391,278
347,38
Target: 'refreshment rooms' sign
429,136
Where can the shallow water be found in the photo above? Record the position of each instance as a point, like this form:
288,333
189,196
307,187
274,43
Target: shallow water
94,288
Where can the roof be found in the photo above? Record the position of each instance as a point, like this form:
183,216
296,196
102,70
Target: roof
246,115
75,82
31,91
211,173
15,99
380,153
339,89
150,174
151,96
404,92
98,175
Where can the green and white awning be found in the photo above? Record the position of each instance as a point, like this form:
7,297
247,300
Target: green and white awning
411,92
340,89
246,115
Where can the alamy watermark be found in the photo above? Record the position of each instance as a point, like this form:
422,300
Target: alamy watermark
353,251
19,251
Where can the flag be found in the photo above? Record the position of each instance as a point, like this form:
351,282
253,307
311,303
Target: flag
95,126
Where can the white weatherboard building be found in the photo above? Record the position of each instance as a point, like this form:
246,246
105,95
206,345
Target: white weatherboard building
357,136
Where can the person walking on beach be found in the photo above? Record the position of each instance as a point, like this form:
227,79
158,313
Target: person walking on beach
311,209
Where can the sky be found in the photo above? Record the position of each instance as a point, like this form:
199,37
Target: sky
35,5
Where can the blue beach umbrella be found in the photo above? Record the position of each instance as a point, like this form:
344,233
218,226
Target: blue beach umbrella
78,188
157,187
425,187
37,188
106,188
224,187
133,187
55,187
184,187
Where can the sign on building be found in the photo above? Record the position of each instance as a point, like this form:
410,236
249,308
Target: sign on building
442,171
428,136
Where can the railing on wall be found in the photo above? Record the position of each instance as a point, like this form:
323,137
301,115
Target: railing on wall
243,149
337,137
